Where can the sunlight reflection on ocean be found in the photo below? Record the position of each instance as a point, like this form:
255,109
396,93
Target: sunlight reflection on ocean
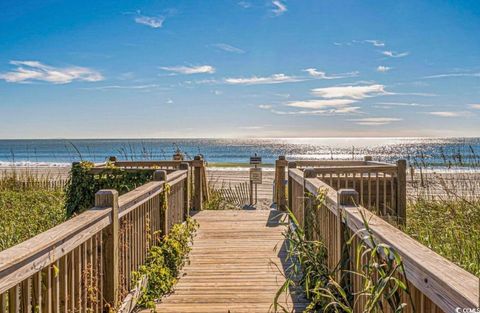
57,152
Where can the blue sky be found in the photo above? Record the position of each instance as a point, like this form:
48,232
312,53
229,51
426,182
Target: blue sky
118,69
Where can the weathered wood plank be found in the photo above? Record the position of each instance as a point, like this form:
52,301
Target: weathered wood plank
237,264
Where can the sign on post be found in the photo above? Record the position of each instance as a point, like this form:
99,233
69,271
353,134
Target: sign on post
256,175
255,160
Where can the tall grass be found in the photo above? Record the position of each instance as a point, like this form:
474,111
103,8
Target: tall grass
378,266
443,209
29,205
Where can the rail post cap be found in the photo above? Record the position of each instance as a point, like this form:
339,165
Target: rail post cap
281,157
106,197
112,159
309,173
160,175
197,157
347,197
184,166
367,158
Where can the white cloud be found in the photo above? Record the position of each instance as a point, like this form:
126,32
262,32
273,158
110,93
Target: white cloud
383,69
228,48
151,21
376,43
138,87
33,70
404,104
190,69
354,92
251,127
265,106
449,113
394,54
322,75
453,75
326,112
375,121
475,106
279,7
255,80
245,4
169,101
319,104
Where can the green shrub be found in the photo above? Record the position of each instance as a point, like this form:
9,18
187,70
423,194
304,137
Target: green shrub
27,213
82,186
164,262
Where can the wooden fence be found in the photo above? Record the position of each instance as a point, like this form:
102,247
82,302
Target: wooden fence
85,264
381,186
199,191
436,284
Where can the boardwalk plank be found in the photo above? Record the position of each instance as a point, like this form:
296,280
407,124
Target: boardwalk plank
236,265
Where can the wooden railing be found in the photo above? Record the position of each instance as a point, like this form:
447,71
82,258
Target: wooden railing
436,284
381,186
197,173
85,264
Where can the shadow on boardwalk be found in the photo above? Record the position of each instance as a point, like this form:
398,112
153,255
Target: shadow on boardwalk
234,266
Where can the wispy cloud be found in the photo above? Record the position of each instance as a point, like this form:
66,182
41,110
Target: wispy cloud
375,42
375,121
228,48
245,4
475,106
278,7
27,71
354,92
258,80
452,75
449,113
190,69
404,104
383,69
151,21
319,104
265,106
325,112
131,87
394,54
322,75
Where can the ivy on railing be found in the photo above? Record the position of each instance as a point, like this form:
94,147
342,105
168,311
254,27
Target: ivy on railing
83,184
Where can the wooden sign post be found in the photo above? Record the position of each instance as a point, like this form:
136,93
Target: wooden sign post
255,177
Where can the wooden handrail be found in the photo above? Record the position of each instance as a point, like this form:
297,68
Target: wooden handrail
83,237
25,259
447,285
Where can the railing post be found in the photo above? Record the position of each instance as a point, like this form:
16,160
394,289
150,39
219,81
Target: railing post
160,175
198,183
307,224
345,197
186,191
289,184
112,159
402,192
280,166
367,158
108,198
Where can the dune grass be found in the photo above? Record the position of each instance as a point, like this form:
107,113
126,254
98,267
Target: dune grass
449,227
27,209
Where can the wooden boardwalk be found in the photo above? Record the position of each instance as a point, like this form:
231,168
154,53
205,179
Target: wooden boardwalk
236,265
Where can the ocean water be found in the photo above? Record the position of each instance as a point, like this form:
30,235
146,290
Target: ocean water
58,152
